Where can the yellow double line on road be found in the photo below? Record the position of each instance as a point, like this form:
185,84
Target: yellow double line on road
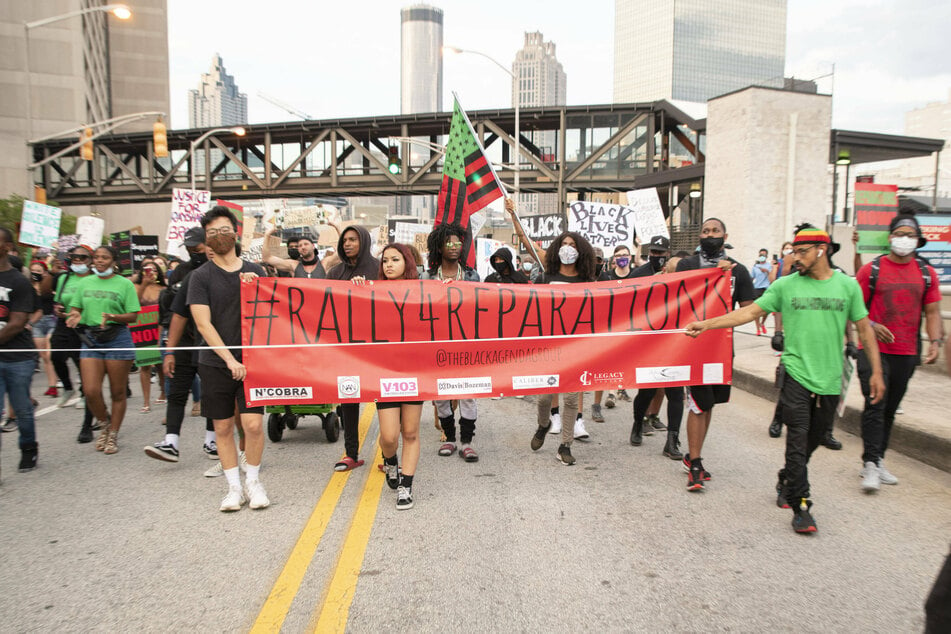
333,610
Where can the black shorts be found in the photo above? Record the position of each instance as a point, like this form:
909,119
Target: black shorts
395,404
758,292
220,393
701,398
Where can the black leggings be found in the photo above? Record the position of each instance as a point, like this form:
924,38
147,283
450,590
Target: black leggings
62,339
350,413
675,405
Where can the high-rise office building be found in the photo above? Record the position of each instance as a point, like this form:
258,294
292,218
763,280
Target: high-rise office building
420,59
694,50
538,79
82,70
216,101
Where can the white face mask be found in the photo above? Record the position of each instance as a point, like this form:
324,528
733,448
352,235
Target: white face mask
526,266
902,246
568,254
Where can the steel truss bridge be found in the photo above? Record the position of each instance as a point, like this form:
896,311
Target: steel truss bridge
578,149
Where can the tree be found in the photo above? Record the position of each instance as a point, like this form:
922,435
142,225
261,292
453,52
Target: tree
11,213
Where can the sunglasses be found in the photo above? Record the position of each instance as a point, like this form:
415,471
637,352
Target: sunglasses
78,258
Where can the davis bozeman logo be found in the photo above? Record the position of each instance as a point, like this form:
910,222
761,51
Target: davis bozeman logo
473,385
286,393
535,381
348,387
403,386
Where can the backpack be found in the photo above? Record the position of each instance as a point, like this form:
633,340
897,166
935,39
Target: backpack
876,265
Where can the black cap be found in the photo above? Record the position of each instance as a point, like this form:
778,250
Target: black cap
194,237
659,243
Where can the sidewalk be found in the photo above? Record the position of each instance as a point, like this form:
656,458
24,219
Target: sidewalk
922,432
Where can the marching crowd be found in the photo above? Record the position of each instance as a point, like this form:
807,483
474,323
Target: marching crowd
80,310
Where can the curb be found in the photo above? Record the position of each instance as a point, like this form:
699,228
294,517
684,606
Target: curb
914,443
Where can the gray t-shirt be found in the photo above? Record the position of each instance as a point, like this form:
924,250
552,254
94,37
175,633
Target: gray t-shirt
220,290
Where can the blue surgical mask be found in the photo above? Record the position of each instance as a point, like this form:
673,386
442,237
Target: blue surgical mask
80,269
105,273
761,258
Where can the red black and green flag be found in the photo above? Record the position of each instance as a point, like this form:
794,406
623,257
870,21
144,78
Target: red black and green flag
468,181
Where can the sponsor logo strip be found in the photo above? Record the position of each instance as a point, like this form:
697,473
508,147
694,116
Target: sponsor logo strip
473,385
663,374
300,393
535,381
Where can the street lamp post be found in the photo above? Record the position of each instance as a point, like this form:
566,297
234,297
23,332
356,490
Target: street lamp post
121,11
518,140
238,130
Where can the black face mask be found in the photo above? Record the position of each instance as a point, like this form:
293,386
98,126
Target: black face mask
36,277
657,262
197,259
309,262
293,253
499,267
711,246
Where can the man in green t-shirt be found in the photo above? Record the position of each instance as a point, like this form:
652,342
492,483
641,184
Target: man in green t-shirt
815,306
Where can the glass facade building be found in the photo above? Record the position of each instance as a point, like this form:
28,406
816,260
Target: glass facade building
217,101
694,50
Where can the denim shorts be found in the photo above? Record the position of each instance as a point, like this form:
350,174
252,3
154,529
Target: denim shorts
108,351
44,326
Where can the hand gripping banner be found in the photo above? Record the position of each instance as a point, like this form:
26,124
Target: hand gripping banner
324,341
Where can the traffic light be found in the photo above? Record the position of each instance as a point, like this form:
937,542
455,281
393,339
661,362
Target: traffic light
85,150
395,166
159,139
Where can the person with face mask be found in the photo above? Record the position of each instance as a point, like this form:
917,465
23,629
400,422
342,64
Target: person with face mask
302,260
898,289
503,271
64,338
763,273
702,398
214,298
181,366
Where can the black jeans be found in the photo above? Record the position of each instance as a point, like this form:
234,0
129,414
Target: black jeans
806,416
675,405
64,337
877,419
179,388
350,413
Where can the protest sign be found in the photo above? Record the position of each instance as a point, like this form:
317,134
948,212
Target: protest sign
542,229
391,225
121,241
406,232
649,218
937,230
188,206
875,206
67,242
145,336
479,339
143,247
39,224
485,247
90,230
604,225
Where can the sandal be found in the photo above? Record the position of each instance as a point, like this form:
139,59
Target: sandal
447,449
469,455
145,409
161,400
347,464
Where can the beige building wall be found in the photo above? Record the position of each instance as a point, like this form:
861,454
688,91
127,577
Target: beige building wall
767,166
138,63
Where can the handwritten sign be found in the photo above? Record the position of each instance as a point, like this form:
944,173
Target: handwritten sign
90,230
603,224
648,214
542,229
40,224
188,206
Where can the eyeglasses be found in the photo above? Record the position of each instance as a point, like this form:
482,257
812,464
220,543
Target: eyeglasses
453,245
801,251
224,231
78,258
904,234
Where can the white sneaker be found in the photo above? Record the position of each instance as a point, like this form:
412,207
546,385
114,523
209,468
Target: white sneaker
580,432
242,462
256,494
66,398
555,424
234,500
871,480
215,471
81,403
884,475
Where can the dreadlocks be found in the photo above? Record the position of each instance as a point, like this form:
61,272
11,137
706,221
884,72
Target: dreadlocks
438,238
585,263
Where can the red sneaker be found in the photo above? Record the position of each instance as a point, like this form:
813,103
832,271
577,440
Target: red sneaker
52,391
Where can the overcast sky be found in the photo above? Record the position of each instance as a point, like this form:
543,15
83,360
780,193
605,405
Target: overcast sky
342,59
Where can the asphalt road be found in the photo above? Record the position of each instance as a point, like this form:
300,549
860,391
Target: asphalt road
515,542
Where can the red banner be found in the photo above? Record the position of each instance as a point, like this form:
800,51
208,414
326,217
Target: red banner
323,341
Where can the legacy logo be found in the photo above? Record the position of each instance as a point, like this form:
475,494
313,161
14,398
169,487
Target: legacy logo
591,378
399,387
474,385
289,393
535,381
663,374
348,387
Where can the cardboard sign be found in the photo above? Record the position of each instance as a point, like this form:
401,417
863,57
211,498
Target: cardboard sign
649,218
90,230
188,206
39,225
604,225
875,206
406,232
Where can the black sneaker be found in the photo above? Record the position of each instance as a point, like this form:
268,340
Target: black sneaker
564,455
162,451
829,442
695,478
211,450
85,435
672,448
686,465
656,424
802,521
404,498
28,458
392,472
636,430
780,493
539,438
649,425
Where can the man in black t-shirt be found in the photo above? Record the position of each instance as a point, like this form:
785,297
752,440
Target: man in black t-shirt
16,368
214,296
702,398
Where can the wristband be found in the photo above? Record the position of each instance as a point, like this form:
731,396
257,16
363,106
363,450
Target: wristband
940,341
